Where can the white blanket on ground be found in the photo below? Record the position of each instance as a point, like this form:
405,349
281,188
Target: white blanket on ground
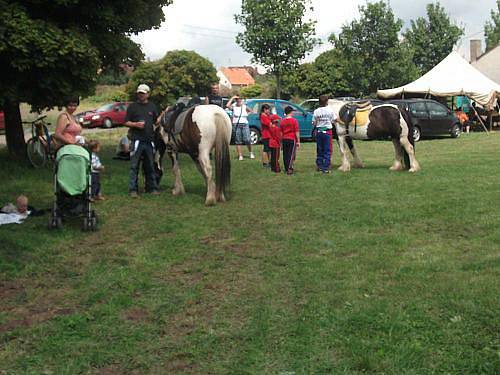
12,218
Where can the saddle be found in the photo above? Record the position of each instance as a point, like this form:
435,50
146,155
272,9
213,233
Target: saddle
355,114
173,119
362,110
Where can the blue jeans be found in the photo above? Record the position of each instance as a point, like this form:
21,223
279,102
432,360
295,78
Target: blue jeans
145,151
323,150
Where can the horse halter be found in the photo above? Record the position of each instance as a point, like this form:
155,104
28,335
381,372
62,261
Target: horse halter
347,113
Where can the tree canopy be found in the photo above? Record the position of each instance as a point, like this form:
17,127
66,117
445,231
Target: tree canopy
369,52
492,29
52,49
432,38
178,73
276,34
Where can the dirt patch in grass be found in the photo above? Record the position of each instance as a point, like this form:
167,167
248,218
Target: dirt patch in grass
43,308
115,370
136,315
9,291
35,316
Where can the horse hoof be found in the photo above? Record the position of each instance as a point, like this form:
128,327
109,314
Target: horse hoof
396,168
359,165
177,192
413,170
210,202
344,169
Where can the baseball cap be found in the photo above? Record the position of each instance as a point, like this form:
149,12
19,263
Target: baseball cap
143,88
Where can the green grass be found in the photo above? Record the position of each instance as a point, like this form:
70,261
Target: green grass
365,272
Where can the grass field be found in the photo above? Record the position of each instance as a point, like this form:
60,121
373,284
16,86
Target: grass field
366,272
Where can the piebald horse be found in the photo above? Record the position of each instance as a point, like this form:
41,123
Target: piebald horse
361,120
196,132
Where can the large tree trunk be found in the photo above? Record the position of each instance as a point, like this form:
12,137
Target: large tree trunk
278,85
14,132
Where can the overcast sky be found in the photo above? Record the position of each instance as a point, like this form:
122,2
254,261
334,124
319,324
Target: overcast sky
208,27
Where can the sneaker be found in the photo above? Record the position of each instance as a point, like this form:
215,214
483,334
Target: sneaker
326,171
133,194
241,157
252,156
155,192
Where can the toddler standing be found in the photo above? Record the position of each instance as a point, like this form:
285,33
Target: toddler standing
97,168
275,143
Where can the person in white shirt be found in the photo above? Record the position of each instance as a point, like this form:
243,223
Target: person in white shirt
323,120
240,123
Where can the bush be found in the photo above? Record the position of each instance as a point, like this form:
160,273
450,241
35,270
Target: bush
106,94
253,91
178,73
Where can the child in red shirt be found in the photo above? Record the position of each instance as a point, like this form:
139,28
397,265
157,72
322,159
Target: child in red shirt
275,143
290,138
265,126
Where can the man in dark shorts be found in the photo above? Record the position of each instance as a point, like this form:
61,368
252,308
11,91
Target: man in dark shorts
141,117
214,97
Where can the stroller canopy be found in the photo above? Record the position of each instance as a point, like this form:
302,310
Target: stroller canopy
73,166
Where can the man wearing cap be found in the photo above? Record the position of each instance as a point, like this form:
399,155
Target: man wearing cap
140,118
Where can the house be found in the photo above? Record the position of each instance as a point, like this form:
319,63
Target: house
486,63
234,78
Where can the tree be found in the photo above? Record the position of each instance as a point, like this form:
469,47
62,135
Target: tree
276,34
51,50
369,52
252,91
432,38
178,73
492,29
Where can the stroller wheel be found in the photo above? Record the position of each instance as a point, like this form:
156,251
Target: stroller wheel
93,223
86,224
55,222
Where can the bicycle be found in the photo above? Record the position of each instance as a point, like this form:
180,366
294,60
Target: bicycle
40,147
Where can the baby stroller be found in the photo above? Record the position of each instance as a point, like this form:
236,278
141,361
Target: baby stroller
72,188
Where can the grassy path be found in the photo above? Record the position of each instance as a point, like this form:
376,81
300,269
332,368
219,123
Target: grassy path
370,271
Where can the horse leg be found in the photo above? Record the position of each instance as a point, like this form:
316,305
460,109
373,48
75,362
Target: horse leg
357,161
346,165
398,159
414,164
178,186
205,168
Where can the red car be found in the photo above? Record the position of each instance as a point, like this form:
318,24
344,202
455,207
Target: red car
2,121
106,116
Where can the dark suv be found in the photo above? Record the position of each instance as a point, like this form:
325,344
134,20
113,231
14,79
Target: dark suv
430,118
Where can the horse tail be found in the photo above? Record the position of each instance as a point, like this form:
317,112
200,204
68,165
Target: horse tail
222,156
409,123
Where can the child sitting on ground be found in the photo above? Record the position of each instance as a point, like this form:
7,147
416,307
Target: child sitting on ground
97,168
275,143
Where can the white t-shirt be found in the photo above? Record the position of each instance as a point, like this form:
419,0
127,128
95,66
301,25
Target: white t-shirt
240,115
323,118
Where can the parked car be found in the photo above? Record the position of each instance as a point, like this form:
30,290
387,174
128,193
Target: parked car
2,121
106,116
311,104
430,118
278,107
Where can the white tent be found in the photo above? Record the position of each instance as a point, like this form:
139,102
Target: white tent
453,76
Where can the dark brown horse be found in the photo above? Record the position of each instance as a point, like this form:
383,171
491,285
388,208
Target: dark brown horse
196,132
